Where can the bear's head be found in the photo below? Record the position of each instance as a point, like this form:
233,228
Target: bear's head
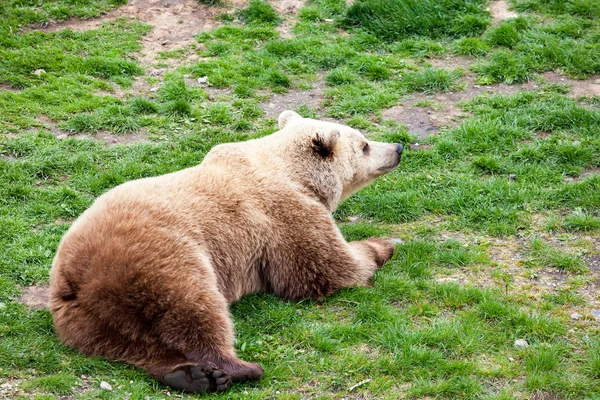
330,159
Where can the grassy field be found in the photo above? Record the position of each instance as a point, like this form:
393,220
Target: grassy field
495,211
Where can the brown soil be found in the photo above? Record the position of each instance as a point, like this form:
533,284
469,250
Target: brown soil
174,23
111,140
288,10
500,12
587,87
423,122
585,174
295,98
35,297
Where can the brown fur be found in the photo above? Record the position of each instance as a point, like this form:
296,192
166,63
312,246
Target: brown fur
146,274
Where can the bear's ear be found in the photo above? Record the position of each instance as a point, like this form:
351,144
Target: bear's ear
286,117
324,143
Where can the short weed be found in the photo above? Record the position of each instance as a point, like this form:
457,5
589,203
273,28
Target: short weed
470,47
392,20
259,12
581,221
430,80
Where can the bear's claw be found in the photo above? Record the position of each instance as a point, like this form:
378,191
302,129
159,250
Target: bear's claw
198,378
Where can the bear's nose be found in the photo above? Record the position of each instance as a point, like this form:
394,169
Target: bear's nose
399,149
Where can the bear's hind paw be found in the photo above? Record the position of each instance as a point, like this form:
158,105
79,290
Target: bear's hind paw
198,378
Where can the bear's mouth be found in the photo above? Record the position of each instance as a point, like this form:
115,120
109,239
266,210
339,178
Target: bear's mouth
389,168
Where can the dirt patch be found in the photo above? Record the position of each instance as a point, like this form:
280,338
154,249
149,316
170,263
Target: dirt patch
5,87
174,23
295,98
544,396
424,121
111,140
500,12
35,297
288,9
587,87
585,174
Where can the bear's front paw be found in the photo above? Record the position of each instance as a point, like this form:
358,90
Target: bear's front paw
383,250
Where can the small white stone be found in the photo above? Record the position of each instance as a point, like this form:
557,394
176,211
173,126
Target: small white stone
328,20
105,386
575,316
521,344
397,241
154,89
203,79
62,136
511,359
38,72
353,218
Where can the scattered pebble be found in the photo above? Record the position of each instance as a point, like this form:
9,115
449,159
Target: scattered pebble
353,218
511,359
164,43
596,315
299,312
328,20
154,89
575,316
203,79
62,136
105,386
38,72
512,177
521,344
397,241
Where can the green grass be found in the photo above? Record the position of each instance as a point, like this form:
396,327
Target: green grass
487,213
395,19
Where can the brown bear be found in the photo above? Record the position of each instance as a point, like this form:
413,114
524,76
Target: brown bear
147,273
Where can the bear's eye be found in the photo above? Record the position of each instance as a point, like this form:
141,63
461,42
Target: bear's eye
366,148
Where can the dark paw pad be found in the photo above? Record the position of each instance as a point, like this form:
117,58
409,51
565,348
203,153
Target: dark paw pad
198,379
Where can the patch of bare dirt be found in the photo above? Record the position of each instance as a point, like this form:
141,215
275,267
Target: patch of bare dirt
295,98
35,297
544,396
424,121
586,87
111,140
585,174
174,23
5,87
509,257
9,388
500,10
288,9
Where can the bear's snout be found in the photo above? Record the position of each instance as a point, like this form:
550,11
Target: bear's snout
399,149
